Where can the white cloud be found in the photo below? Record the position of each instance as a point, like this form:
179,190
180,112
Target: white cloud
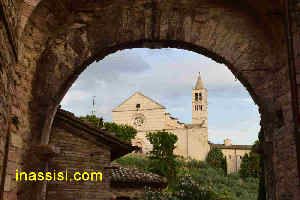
74,95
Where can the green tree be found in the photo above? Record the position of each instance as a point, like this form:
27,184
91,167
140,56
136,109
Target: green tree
124,132
215,158
162,156
250,166
91,119
244,172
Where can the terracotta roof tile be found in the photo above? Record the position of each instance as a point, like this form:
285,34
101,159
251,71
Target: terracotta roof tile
137,177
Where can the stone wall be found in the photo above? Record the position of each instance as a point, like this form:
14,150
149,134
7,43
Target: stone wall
151,114
141,141
132,193
10,143
6,59
234,158
11,15
153,119
192,142
78,154
172,123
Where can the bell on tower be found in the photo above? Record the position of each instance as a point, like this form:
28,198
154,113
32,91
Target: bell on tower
199,102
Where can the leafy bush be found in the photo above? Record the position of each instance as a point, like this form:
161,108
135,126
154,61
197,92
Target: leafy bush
91,119
162,156
250,166
187,189
135,161
124,132
215,158
228,187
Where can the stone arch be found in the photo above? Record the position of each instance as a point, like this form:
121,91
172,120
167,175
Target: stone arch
234,39
61,39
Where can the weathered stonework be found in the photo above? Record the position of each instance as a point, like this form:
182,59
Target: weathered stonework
82,149
57,41
75,157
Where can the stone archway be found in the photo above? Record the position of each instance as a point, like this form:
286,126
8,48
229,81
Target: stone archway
60,39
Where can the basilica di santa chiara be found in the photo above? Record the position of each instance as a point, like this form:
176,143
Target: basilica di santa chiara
147,115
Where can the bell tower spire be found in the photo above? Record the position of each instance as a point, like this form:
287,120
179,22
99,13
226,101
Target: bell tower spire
199,103
199,84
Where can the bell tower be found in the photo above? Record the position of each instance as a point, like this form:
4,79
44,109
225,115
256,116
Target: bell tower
199,103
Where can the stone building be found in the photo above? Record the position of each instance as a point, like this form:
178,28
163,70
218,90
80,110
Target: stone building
146,115
232,153
83,148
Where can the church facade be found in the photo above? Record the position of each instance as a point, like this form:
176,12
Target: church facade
147,115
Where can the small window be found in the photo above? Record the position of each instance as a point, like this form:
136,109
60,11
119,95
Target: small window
200,97
196,96
201,107
229,156
138,106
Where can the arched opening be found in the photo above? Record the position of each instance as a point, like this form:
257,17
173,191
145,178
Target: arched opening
60,40
167,76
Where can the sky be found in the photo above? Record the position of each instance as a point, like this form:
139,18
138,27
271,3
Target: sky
167,76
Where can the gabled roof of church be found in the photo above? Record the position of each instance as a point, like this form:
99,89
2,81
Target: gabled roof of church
138,93
199,84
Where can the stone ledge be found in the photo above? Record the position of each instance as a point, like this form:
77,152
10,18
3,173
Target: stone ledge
45,151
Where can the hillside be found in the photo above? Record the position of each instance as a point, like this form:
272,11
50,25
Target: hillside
232,186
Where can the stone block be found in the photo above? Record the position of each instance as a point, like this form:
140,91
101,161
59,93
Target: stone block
16,140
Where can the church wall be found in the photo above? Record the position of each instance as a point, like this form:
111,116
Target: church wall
181,145
192,142
154,119
141,141
234,158
138,98
172,123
